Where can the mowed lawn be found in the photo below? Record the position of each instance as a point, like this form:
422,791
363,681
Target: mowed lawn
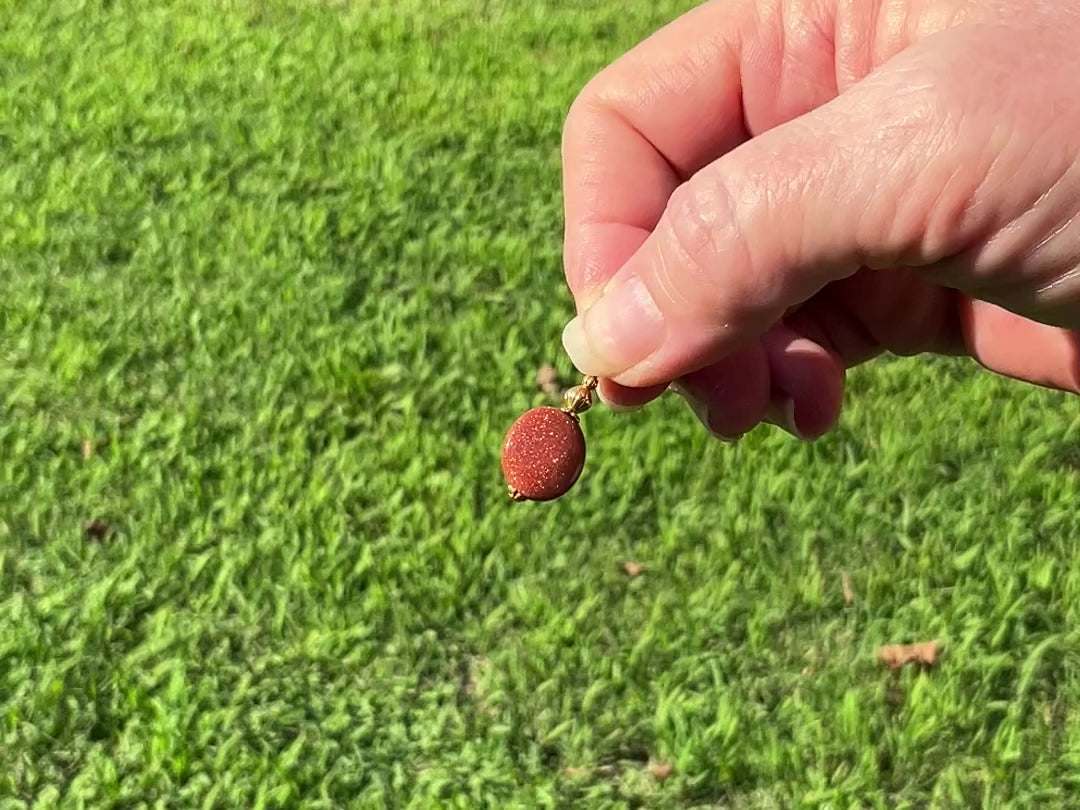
275,277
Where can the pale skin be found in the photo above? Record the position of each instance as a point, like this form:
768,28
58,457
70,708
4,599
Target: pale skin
766,193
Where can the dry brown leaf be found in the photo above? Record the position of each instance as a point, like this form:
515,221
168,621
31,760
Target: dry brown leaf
633,569
923,654
845,584
96,529
660,771
575,773
547,379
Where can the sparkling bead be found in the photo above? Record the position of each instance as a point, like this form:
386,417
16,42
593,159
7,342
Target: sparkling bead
543,454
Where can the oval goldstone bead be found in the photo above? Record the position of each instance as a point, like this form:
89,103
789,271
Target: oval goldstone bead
543,454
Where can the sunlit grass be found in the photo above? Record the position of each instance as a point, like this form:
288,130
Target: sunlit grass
274,279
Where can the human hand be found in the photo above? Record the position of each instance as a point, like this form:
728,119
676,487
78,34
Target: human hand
763,195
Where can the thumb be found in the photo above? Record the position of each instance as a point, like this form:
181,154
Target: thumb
771,222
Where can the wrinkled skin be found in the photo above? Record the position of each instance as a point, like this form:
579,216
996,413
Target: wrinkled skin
765,194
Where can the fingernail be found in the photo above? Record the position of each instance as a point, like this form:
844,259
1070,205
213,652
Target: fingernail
700,409
787,410
616,333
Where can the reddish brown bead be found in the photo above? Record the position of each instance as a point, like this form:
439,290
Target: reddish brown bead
543,454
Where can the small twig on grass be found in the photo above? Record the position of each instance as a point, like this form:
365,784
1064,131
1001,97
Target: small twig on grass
845,585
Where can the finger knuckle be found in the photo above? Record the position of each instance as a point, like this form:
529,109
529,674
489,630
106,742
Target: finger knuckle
592,106
702,236
918,214
580,115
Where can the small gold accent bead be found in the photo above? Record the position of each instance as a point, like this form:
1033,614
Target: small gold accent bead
578,399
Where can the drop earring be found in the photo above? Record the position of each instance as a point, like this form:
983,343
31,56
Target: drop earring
543,453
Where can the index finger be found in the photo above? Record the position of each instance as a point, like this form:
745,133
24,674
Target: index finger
642,127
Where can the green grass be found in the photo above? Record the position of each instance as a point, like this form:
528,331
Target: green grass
290,268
